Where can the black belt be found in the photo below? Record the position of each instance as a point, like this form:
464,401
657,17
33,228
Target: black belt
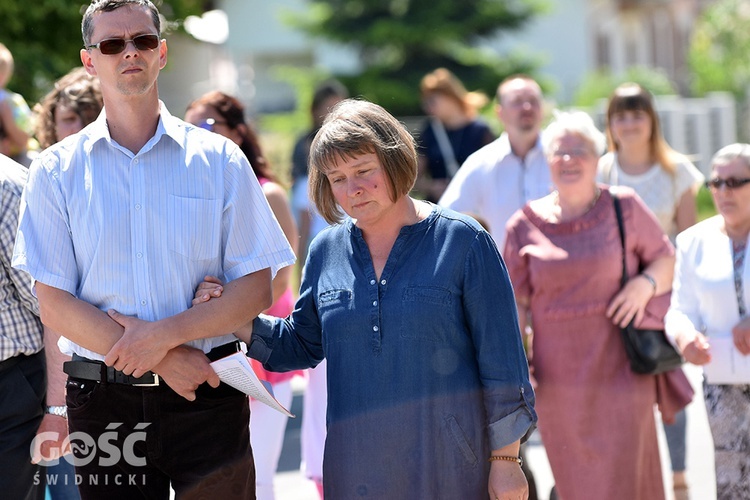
89,369
98,371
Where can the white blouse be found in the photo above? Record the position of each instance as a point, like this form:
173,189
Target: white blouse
703,294
660,190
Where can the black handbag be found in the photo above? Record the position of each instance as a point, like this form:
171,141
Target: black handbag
649,350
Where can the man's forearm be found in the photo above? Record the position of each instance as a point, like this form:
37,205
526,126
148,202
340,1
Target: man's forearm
77,320
240,302
55,375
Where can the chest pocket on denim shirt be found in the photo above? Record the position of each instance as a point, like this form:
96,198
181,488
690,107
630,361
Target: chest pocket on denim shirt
427,312
194,227
335,308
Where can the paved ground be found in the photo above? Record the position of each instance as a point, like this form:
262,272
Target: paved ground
291,485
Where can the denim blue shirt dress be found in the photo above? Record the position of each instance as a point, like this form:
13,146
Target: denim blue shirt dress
426,369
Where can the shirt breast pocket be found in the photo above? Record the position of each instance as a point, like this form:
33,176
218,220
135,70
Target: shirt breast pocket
194,227
429,314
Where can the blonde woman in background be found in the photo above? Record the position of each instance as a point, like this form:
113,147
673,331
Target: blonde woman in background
639,157
451,133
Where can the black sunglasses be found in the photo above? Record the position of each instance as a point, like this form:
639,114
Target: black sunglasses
210,124
113,46
730,183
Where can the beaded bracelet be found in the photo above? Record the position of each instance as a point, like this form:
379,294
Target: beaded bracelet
518,460
651,280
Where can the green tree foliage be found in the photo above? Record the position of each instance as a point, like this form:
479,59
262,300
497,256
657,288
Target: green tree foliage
44,37
399,41
718,55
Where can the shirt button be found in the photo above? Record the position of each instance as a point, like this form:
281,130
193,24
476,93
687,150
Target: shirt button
143,302
138,206
375,328
382,282
372,282
139,255
135,161
374,302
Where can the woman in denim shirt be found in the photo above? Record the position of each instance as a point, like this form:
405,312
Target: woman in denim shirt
411,305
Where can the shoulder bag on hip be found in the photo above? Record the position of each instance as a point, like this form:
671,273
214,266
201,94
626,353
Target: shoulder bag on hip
648,349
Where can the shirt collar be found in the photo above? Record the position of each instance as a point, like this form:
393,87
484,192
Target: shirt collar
168,126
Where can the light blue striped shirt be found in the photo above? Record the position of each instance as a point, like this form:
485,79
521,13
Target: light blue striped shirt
138,232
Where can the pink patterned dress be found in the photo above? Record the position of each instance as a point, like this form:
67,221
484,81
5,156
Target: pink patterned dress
595,415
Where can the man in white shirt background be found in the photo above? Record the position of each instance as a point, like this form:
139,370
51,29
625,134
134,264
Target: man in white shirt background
501,177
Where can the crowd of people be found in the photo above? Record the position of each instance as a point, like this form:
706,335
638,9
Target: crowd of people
457,290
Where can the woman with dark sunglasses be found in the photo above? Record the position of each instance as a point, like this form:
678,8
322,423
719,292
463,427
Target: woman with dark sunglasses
708,315
225,115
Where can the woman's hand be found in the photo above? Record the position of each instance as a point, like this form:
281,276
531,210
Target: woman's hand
209,288
696,350
507,481
741,336
630,302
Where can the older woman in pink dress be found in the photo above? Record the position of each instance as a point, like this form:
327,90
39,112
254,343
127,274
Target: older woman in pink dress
563,254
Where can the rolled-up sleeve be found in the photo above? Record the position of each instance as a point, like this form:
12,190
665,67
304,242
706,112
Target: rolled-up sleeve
493,323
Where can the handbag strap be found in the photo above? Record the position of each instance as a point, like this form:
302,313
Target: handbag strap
446,149
738,258
621,229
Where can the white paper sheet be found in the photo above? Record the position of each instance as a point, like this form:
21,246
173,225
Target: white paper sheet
236,371
728,365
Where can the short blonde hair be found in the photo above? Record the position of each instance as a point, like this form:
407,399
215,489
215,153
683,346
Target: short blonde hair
573,122
442,81
732,152
353,128
6,65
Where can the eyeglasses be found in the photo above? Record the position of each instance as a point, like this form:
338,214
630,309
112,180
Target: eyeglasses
571,153
210,124
113,46
730,183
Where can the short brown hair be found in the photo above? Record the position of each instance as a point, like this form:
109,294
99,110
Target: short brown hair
353,128
87,24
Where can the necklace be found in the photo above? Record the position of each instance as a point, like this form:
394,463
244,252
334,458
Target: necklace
556,214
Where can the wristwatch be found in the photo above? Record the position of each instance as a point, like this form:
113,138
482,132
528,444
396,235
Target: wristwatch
60,411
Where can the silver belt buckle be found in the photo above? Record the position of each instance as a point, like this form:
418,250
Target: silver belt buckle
155,383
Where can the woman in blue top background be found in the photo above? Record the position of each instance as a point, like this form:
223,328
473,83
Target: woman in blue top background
412,307
451,133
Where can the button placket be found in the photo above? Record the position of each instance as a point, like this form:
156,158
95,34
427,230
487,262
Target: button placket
138,231
375,314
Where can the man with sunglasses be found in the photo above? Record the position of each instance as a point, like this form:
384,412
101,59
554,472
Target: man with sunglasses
119,225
